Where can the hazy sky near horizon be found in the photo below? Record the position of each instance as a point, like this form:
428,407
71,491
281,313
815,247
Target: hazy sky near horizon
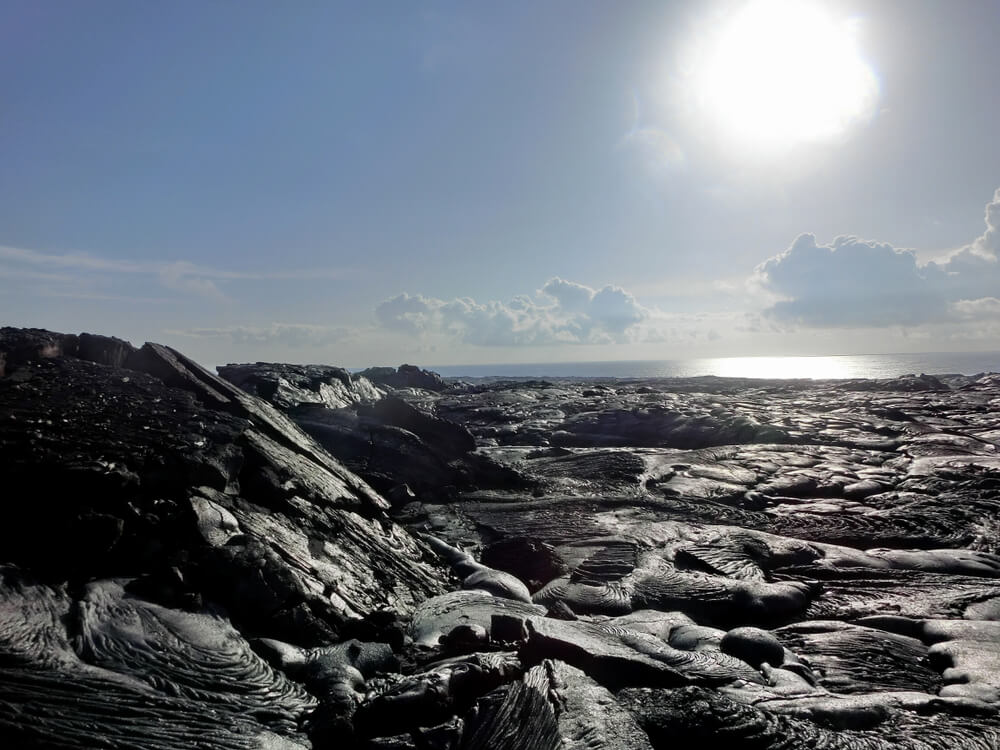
440,183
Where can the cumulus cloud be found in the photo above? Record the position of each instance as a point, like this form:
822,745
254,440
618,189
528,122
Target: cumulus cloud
988,244
856,283
986,308
560,312
851,283
571,296
405,313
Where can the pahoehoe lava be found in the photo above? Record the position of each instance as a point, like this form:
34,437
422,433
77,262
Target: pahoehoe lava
295,556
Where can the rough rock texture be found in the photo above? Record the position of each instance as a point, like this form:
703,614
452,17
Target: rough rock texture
21,345
398,447
100,666
294,556
693,717
405,376
858,520
286,386
132,475
196,496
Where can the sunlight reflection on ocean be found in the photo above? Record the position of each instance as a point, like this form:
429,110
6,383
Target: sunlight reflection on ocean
781,367
817,368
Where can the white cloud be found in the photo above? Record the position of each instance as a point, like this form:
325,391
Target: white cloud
985,308
572,297
182,276
179,278
850,283
855,283
77,261
26,274
562,312
85,295
406,314
288,334
987,245
615,310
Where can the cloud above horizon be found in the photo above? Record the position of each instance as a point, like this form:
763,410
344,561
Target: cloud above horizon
74,270
561,312
852,283
868,291
293,335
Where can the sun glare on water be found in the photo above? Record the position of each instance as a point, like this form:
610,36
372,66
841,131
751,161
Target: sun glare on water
781,73
818,368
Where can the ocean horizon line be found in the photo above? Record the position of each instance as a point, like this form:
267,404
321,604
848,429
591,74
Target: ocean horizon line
818,367
765,367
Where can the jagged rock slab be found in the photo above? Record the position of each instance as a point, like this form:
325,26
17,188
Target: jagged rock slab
174,369
554,707
588,715
287,386
516,716
389,441
128,462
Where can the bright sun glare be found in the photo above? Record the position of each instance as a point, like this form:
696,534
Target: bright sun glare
783,72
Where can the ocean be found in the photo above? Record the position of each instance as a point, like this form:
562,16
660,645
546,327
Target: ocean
841,366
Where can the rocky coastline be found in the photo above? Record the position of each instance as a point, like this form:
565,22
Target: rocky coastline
284,557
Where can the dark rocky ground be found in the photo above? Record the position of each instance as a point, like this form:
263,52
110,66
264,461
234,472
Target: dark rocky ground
293,557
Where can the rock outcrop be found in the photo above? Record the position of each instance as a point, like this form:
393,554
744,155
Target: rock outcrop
287,386
405,376
294,556
390,442
166,492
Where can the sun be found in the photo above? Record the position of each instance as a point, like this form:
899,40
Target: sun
781,73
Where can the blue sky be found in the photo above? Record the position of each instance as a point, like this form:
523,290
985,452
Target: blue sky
494,182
